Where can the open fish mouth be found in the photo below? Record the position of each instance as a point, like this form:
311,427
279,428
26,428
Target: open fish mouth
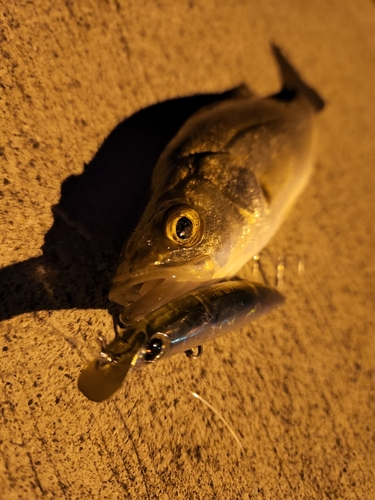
139,297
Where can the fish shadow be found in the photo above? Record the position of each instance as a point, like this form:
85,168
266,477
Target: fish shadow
96,213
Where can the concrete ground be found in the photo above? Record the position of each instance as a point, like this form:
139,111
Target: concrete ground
292,396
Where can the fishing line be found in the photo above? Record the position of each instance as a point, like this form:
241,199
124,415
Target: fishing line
218,414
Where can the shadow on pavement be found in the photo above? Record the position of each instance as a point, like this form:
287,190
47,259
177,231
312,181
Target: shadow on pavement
95,215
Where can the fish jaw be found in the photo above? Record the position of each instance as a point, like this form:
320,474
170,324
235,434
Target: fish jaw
138,294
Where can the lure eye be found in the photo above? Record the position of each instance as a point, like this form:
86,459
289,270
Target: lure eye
153,349
156,347
183,225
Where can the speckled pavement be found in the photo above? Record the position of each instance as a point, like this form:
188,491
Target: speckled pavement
89,95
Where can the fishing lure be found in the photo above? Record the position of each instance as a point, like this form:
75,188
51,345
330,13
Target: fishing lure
178,326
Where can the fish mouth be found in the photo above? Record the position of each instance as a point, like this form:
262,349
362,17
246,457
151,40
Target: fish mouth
142,294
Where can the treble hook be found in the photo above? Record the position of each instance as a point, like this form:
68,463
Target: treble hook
195,352
102,342
103,358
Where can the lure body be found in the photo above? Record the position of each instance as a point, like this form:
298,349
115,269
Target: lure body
220,191
182,324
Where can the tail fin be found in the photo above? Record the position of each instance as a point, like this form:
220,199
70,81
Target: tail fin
292,82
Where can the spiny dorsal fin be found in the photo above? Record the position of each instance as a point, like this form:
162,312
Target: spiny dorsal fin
241,92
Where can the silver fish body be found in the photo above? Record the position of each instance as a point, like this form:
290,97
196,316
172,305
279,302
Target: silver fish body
181,325
220,190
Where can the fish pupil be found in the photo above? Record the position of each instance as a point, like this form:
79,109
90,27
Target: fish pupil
153,349
184,228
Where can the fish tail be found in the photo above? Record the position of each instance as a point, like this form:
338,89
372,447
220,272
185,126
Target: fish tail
292,82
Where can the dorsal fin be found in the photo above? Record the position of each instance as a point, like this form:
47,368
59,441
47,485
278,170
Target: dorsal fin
292,82
241,92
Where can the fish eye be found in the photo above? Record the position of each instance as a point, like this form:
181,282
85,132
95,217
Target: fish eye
182,225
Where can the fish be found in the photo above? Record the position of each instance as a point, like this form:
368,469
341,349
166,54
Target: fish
181,325
220,190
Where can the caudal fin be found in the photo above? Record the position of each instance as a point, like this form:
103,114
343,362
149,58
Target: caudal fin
292,82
